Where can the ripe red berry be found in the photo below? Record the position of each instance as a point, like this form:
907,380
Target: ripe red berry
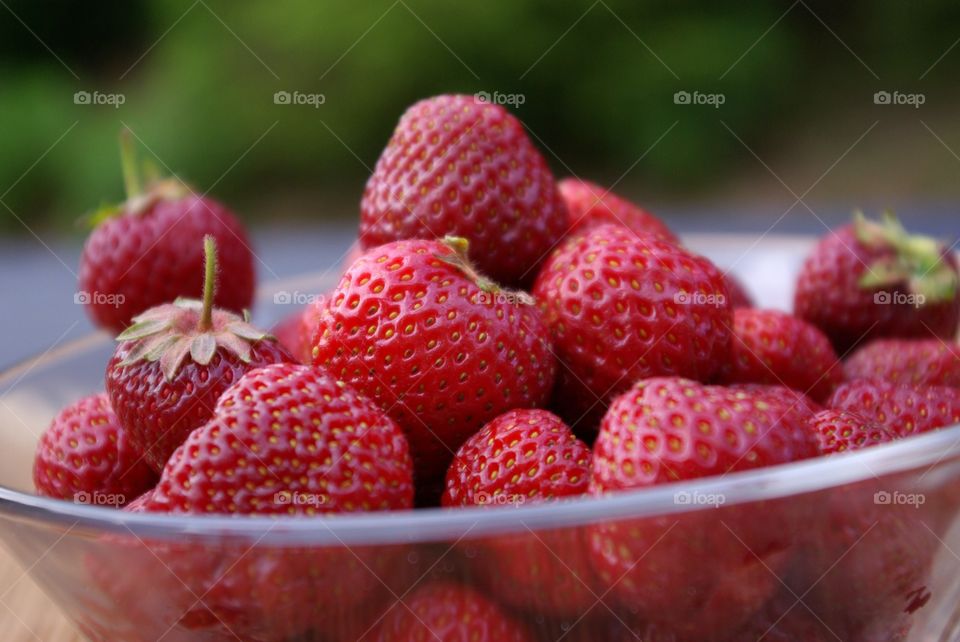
683,571
869,280
622,307
523,457
295,332
289,439
793,399
440,348
144,252
774,347
450,613
904,409
588,205
915,362
170,367
459,166
666,428
84,456
841,431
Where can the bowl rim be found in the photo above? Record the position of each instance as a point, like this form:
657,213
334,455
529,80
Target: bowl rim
778,482
771,483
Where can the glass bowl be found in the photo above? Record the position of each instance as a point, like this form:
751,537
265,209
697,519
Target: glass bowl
862,546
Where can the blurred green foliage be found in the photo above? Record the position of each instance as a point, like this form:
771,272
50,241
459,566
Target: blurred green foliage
598,80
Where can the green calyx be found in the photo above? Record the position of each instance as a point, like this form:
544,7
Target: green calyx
918,262
143,184
459,260
171,332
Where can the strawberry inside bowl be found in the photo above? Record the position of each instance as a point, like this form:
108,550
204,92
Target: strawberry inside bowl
852,546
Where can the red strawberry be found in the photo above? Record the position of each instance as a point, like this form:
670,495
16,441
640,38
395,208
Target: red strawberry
667,429
904,410
456,165
440,348
526,456
867,570
774,347
141,504
521,456
448,612
143,252
739,296
84,456
172,364
791,398
622,307
683,571
286,430
841,431
869,280
588,205
915,362
286,439
295,332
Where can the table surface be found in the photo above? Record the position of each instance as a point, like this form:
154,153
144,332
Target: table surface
26,613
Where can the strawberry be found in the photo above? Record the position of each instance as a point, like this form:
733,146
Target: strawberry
683,571
521,456
622,307
588,205
867,569
85,456
793,399
448,612
841,431
442,349
171,365
915,362
143,252
286,439
739,296
774,347
459,166
526,456
295,332
869,280
666,429
903,409
255,455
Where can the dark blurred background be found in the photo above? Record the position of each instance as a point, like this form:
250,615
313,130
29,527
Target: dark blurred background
760,117
197,81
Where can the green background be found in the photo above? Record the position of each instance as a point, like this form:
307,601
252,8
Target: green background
597,80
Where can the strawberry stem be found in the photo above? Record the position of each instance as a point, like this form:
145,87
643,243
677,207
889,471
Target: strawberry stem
128,160
209,281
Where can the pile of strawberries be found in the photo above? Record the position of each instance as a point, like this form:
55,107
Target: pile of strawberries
501,338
